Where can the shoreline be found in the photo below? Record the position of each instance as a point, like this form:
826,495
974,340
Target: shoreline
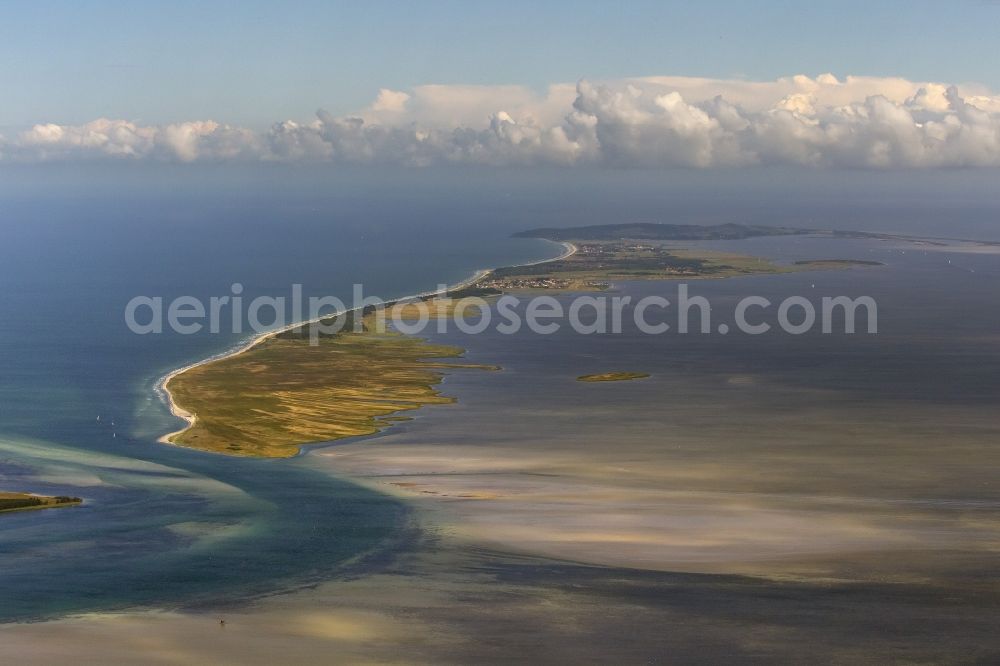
162,389
44,501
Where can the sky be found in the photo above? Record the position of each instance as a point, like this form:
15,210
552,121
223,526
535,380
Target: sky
241,68
252,62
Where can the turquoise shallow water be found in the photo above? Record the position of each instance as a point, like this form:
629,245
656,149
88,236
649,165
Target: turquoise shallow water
163,526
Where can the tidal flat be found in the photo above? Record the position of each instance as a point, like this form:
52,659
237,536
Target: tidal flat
767,497
763,499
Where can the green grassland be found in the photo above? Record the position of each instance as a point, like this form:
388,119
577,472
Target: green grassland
284,393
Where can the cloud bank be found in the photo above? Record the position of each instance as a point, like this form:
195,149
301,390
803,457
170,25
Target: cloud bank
652,122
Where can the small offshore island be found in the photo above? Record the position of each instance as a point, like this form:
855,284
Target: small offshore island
613,377
281,392
26,502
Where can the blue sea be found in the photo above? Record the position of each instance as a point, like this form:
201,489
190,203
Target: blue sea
79,415
167,527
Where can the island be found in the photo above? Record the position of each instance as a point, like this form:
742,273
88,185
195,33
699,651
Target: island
613,377
10,502
304,385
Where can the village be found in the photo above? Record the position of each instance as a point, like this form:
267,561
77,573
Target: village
527,283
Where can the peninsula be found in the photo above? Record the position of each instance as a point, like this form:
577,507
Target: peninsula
289,388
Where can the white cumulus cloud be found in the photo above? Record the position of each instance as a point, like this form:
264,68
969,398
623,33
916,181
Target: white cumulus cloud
186,142
649,122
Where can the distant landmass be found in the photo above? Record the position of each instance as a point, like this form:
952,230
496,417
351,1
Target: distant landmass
729,231
658,231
